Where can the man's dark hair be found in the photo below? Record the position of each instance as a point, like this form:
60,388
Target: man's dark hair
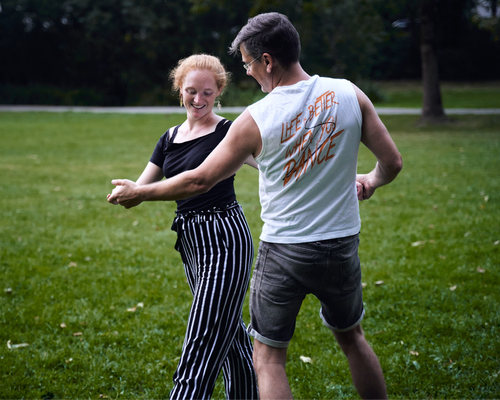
269,33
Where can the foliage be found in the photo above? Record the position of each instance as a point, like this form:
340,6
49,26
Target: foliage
466,49
122,50
112,278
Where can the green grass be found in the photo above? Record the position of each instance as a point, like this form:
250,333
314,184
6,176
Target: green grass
69,257
453,94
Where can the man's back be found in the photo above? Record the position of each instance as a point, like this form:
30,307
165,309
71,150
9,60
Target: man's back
310,139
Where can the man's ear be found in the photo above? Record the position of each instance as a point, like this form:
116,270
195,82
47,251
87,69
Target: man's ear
268,60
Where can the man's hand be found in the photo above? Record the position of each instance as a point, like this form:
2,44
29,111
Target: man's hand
364,186
124,194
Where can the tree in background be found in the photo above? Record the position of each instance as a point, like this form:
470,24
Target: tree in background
432,106
119,52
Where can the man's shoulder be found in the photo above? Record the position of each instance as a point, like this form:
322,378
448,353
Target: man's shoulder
333,81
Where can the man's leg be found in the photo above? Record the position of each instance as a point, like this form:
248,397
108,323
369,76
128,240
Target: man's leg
269,363
365,368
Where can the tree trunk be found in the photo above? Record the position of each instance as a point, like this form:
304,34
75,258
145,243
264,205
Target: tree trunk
493,5
432,107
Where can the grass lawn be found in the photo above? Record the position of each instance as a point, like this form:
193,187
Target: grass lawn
453,94
99,294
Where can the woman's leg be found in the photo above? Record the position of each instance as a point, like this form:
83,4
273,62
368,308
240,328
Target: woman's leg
217,255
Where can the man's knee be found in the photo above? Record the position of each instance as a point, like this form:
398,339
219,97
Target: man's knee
264,355
350,338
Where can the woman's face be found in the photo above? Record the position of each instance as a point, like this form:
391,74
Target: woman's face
199,91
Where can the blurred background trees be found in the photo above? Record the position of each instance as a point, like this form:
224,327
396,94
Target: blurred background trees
119,52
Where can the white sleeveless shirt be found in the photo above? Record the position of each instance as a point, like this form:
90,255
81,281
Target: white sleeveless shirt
307,167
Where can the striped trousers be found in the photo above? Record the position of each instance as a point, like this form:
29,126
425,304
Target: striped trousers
217,252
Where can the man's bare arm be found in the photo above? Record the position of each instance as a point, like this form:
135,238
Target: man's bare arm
378,140
242,140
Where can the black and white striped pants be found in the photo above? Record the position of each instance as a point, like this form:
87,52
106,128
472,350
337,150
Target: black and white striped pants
217,252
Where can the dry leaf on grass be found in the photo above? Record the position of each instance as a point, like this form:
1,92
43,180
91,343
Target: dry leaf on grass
453,288
378,283
480,270
8,290
420,243
11,346
133,309
414,353
306,359
72,264
77,334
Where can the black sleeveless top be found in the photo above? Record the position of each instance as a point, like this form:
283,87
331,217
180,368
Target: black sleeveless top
174,158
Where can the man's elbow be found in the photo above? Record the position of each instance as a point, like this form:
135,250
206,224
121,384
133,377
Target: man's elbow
199,184
397,165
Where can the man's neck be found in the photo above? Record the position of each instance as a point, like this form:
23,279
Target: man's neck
292,75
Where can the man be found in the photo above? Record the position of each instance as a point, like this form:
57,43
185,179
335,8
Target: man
305,136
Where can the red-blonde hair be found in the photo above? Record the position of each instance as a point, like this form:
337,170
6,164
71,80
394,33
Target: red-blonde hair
197,62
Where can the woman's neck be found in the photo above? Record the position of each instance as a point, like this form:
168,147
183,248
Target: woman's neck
194,128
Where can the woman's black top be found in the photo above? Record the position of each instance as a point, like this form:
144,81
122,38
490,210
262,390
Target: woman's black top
174,158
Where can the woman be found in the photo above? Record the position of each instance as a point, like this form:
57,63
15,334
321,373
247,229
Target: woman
213,239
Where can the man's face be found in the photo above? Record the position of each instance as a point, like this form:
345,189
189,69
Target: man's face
257,70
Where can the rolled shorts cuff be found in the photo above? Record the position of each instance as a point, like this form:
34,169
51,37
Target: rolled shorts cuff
269,342
335,329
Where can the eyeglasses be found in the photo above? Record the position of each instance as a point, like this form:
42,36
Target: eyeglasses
246,66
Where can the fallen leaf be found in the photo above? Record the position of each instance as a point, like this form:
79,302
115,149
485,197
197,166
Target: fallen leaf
453,288
486,198
498,241
11,346
378,283
420,243
306,359
8,290
135,223
63,325
134,309
480,270
77,334
466,234
431,226
103,396
69,360
72,264
363,284
414,353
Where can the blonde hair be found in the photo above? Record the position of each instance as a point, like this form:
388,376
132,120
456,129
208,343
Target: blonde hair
197,62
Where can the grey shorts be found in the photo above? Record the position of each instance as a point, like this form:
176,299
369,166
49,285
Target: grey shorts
285,273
